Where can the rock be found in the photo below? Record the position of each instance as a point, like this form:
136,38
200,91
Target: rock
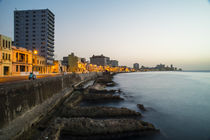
98,112
111,84
103,91
88,129
93,97
141,107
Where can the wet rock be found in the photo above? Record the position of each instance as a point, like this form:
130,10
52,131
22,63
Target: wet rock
86,128
98,112
103,91
93,97
141,107
111,84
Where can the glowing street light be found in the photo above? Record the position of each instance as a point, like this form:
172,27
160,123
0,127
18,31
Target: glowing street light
35,52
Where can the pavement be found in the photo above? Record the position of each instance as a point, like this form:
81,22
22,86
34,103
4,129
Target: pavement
10,79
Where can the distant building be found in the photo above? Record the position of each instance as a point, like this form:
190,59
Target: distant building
34,29
136,66
65,61
100,60
5,55
114,63
160,67
58,67
72,62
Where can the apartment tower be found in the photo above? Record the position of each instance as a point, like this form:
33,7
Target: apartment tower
34,30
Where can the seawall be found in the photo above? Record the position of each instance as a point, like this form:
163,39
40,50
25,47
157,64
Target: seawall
24,103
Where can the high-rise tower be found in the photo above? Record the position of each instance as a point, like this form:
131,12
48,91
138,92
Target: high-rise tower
34,30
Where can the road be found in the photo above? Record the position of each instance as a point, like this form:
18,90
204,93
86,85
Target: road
9,79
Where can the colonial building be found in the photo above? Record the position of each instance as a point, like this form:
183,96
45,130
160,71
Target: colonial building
39,65
21,61
58,67
5,55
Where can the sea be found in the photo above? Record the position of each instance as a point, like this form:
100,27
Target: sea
177,103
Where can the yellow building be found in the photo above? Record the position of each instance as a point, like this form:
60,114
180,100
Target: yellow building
21,61
39,65
5,55
58,67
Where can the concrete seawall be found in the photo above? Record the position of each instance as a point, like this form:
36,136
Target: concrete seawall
23,104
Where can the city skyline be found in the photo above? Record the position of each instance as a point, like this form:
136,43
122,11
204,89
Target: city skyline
146,32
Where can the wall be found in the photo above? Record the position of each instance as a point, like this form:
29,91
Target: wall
18,98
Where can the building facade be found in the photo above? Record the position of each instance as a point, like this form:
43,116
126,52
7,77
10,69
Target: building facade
5,55
99,60
21,61
34,29
136,66
114,63
39,65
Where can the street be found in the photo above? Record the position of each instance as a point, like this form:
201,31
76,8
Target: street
9,79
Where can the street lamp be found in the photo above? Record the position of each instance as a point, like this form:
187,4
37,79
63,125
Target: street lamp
35,52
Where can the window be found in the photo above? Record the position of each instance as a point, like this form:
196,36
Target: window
34,23
3,43
9,44
34,31
34,19
26,35
34,35
2,55
16,68
9,57
34,15
26,40
26,24
34,39
6,56
34,43
34,27
6,43
16,55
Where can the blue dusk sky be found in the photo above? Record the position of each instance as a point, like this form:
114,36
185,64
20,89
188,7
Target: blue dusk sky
145,31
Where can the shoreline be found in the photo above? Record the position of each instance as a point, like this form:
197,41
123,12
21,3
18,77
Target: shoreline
71,120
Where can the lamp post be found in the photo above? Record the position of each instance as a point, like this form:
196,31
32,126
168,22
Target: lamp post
35,52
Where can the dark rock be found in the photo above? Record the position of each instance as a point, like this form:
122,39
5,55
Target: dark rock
85,128
103,91
98,112
141,106
101,97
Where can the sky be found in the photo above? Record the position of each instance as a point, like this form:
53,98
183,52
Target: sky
147,32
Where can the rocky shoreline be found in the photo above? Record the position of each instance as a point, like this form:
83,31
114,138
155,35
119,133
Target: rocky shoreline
73,121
